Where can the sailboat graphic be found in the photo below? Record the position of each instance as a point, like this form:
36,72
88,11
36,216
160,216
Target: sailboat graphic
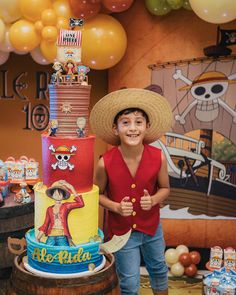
203,186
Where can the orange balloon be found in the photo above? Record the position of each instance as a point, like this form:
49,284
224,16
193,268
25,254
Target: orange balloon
49,17
62,8
49,33
48,50
23,36
117,5
104,42
32,9
84,9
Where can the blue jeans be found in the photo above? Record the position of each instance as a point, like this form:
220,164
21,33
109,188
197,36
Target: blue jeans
128,262
57,241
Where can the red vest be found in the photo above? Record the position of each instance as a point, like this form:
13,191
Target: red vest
122,184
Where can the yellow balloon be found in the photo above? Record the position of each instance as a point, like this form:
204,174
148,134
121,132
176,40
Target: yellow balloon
49,17
62,8
23,36
49,50
62,23
32,9
2,30
38,26
49,33
104,42
10,10
215,11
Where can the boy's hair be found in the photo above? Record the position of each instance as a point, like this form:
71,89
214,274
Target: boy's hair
129,111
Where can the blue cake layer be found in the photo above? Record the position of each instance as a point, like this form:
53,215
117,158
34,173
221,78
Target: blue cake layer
63,259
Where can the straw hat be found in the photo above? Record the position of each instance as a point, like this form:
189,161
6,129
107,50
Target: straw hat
153,104
59,185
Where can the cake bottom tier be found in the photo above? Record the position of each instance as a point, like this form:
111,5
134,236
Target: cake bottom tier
81,259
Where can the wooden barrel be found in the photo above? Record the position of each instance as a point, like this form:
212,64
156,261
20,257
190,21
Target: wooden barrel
102,282
15,220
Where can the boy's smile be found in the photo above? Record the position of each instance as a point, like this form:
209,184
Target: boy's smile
131,128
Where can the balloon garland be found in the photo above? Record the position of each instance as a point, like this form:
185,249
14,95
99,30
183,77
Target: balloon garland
32,26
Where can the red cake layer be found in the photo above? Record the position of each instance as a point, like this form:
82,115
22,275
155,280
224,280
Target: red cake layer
67,103
69,159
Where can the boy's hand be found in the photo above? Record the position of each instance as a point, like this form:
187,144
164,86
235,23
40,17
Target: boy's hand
126,207
146,201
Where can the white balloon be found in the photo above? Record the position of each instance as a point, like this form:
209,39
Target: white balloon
2,30
6,45
3,57
37,56
171,256
20,52
215,11
182,249
177,269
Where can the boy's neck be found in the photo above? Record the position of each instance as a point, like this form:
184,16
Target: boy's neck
131,151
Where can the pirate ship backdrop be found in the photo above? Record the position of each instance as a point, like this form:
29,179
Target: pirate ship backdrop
200,150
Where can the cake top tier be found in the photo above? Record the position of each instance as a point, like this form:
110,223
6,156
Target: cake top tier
69,110
69,91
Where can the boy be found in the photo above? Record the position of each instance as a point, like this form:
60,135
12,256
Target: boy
133,181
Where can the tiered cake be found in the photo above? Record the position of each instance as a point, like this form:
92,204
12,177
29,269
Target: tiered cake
66,238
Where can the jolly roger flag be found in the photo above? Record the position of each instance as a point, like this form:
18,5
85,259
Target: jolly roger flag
227,37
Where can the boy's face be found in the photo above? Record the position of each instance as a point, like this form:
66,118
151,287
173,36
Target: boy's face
131,128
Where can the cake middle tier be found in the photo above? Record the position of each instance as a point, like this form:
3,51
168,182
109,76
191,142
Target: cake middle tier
69,159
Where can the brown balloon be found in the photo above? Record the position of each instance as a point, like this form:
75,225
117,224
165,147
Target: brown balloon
84,9
185,259
117,5
190,270
94,1
195,257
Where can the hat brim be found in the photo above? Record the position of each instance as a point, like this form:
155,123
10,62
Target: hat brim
153,104
49,192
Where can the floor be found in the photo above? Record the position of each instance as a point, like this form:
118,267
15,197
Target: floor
177,286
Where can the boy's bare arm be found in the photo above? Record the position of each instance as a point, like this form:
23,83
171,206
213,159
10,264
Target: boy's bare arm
147,201
163,183
124,208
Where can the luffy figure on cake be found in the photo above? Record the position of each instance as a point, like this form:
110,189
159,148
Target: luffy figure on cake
55,226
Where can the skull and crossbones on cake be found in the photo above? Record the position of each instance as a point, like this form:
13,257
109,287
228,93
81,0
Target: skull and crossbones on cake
62,155
207,90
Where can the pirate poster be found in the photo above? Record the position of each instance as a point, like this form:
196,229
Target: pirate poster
200,149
